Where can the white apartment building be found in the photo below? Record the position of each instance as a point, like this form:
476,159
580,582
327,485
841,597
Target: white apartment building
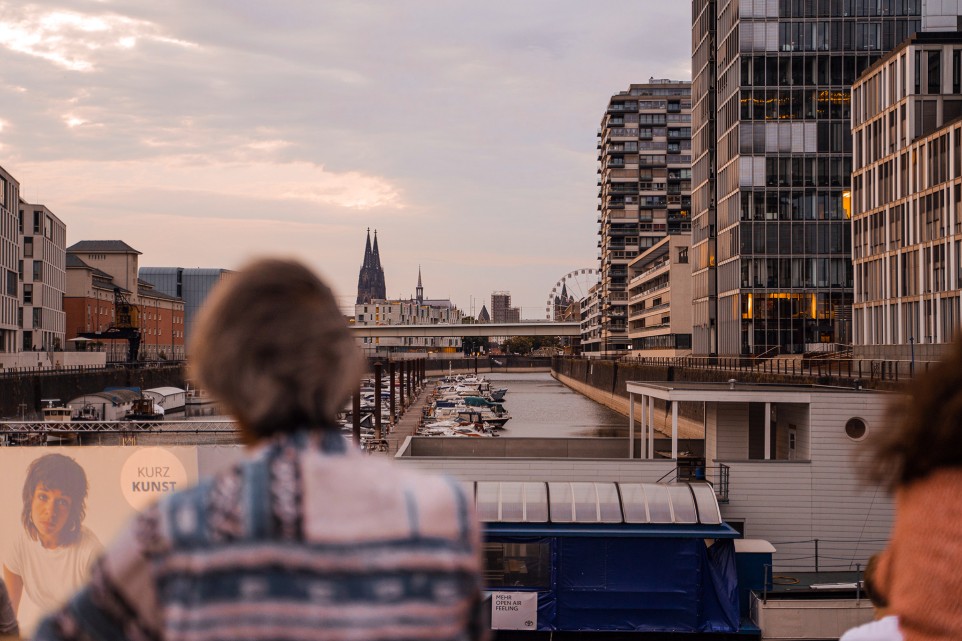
413,311
43,237
659,299
906,202
10,320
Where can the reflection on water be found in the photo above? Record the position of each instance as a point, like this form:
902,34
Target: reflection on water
541,406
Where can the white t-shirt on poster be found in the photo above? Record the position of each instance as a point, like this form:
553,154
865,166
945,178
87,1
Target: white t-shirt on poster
50,577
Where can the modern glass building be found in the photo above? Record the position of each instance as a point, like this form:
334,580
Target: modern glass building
193,285
644,189
771,240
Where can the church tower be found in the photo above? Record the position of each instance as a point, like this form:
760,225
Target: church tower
419,295
370,280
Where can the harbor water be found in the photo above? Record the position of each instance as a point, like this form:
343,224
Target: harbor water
541,406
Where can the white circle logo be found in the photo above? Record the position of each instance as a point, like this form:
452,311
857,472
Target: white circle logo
150,473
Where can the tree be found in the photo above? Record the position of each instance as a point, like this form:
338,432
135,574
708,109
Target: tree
474,344
519,345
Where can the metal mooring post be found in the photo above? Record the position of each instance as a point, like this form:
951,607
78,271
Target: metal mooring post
765,571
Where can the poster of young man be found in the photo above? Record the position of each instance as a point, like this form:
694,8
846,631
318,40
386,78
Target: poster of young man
64,504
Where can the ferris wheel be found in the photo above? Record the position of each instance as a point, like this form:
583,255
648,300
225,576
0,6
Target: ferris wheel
575,284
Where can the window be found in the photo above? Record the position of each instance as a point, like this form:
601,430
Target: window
935,72
27,294
28,246
37,222
856,429
526,565
956,71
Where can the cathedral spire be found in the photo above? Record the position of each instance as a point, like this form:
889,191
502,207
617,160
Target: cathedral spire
367,250
420,290
377,254
370,280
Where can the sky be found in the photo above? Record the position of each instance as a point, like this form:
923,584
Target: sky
204,134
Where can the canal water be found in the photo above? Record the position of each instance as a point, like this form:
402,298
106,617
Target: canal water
541,406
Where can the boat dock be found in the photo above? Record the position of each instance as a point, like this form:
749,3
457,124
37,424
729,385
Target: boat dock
407,423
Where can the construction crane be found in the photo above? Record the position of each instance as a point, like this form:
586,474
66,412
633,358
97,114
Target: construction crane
126,326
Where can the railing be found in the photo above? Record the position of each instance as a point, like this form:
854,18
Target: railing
819,555
853,369
695,471
61,369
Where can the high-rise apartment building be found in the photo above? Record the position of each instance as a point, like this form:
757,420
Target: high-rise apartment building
501,309
644,155
771,244
907,200
43,237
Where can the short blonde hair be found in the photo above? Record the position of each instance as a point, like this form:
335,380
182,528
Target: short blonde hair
273,348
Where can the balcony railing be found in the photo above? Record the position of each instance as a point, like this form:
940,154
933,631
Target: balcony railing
695,471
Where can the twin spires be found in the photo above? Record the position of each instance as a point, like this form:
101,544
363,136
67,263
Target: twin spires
370,281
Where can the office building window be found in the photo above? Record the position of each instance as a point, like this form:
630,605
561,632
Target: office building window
935,72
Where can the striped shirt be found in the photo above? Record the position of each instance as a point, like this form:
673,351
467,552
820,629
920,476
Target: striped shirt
305,539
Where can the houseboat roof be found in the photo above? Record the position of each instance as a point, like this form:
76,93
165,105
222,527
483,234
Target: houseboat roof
594,508
115,396
165,391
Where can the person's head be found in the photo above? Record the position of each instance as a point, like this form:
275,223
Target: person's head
273,348
54,499
927,436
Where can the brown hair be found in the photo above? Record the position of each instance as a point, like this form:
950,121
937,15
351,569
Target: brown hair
928,435
273,348
62,473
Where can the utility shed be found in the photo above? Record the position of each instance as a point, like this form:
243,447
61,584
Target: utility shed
784,460
591,556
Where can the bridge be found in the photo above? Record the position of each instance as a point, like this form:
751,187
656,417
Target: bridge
524,328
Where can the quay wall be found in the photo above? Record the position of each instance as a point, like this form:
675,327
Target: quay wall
21,392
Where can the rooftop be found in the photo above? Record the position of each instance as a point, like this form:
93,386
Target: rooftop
103,247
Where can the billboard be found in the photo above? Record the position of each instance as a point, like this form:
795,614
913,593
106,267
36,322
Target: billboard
63,505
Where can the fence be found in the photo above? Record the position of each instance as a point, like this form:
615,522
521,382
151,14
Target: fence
841,368
825,555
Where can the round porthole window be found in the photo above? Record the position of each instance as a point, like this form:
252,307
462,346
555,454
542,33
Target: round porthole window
855,428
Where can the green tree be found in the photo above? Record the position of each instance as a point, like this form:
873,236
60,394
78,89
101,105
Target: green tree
519,345
473,344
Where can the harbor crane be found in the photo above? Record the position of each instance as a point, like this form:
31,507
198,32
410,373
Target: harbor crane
126,326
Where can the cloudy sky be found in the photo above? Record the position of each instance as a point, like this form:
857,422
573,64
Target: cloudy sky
204,133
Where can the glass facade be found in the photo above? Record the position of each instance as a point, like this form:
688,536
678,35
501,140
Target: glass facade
771,241
191,285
